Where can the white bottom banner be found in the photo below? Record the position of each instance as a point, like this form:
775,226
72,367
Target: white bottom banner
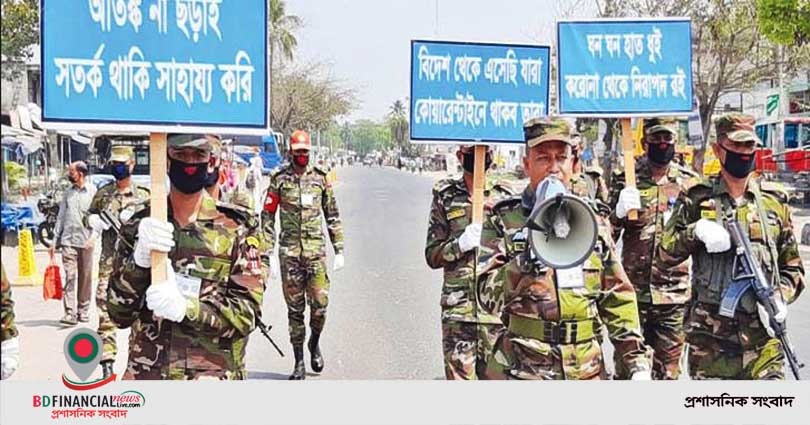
407,402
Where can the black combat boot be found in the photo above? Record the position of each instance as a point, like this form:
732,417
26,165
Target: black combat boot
107,369
315,352
299,370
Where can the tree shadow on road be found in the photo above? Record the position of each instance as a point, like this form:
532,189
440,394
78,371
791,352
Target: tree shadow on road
40,323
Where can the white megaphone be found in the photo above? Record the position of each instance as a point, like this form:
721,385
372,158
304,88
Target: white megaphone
562,227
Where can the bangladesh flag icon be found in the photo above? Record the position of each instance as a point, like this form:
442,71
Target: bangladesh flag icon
83,354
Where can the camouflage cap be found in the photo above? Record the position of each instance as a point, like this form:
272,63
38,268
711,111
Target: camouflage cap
216,143
539,130
655,125
197,141
737,127
121,153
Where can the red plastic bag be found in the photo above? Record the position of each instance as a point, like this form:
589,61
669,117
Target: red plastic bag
52,286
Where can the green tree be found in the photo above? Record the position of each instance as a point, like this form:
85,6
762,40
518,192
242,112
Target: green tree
20,29
784,22
307,97
397,120
282,30
368,135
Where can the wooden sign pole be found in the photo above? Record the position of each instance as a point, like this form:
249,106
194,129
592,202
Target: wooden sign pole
157,174
478,185
629,161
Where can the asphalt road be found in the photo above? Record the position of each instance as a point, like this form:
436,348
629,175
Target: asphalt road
383,317
383,320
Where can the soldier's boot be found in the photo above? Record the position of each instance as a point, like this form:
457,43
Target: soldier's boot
316,359
106,369
299,370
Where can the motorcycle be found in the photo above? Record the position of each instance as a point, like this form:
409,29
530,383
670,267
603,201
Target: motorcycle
48,205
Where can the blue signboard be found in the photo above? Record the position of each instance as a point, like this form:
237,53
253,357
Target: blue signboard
624,68
475,92
155,65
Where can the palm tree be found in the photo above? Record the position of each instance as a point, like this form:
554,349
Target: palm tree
282,28
398,122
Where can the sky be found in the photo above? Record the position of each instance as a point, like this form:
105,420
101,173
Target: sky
367,42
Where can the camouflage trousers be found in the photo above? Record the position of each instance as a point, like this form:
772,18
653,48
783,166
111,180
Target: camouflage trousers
304,281
725,348
520,358
106,327
662,326
467,347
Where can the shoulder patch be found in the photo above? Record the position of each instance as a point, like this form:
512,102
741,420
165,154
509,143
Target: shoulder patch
443,185
776,190
233,211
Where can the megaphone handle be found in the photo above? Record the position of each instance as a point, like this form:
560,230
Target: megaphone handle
629,162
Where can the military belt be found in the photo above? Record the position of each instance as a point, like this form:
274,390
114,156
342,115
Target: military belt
564,332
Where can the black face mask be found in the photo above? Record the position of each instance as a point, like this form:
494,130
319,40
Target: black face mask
186,177
737,164
72,179
468,162
120,171
213,177
660,156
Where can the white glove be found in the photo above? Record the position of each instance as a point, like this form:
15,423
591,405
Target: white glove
471,238
97,224
165,299
9,356
629,199
713,235
641,375
153,235
781,315
339,262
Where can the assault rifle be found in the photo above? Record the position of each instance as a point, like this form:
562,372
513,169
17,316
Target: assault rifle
266,332
748,275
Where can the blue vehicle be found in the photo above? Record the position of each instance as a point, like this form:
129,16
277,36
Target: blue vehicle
268,145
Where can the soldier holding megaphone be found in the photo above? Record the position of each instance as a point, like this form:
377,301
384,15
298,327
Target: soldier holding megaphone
562,280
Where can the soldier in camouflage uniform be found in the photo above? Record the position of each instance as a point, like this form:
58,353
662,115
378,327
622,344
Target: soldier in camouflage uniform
741,347
300,191
238,196
10,345
111,199
662,293
552,317
587,180
194,325
470,319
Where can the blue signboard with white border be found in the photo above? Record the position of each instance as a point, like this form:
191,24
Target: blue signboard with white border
155,65
476,92
624,67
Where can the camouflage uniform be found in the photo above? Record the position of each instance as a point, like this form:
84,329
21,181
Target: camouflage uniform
721,347
595,187
110,199
8,329
302,249
210,342
552,326
662,293
470,321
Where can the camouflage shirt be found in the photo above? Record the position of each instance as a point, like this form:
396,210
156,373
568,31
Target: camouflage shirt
533,294
221,255
712,273
450,213
108,198
299,199
642,237
9,329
